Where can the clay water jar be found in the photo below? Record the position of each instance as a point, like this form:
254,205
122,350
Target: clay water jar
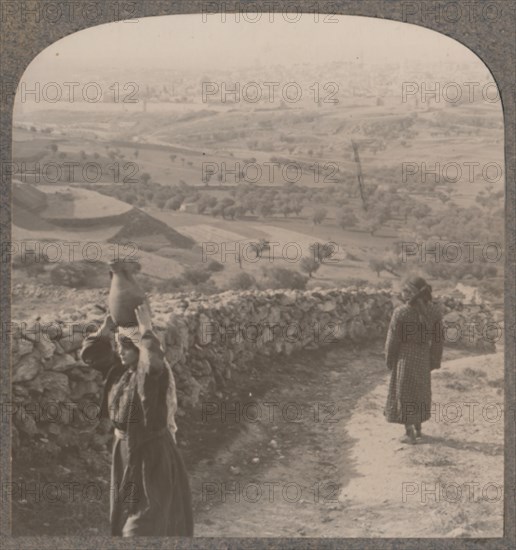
124,295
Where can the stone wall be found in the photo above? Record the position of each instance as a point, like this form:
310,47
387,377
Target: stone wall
56,396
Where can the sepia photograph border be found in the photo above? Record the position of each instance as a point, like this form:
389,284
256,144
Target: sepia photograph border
493,41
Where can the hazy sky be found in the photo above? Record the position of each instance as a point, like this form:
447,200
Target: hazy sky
186,42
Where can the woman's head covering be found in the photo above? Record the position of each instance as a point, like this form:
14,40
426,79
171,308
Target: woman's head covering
415,287
132,336
128,336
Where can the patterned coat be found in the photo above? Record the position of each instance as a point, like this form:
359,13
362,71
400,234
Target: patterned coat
413,349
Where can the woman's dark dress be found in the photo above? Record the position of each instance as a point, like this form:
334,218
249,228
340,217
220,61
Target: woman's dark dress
412,349
150,493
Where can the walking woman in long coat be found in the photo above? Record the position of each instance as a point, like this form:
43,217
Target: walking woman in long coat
413,349
150,493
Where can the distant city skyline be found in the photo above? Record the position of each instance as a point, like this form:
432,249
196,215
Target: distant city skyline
184,42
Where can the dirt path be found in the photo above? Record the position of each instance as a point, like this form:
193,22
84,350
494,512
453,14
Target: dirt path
342,471
319,462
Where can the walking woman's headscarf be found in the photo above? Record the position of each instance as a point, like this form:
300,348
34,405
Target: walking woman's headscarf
418,293
133,334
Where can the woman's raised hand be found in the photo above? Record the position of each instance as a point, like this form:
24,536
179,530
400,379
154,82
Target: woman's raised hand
144,316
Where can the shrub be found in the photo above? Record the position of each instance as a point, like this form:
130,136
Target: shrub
265,209
216,211
36,268
491,289
209,287
376,265
214,266
309,265
69,275
346,218
319,215
322,251
174,203
80,274
242,281
195,276
172,284
280,277
205,202
34,264
130,198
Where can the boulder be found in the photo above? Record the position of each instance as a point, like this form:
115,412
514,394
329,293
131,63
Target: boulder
21,347
26,424
20,391
328,305
45,348
54,384
80,388
61,363
80,371
452,317
26,369
71,342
